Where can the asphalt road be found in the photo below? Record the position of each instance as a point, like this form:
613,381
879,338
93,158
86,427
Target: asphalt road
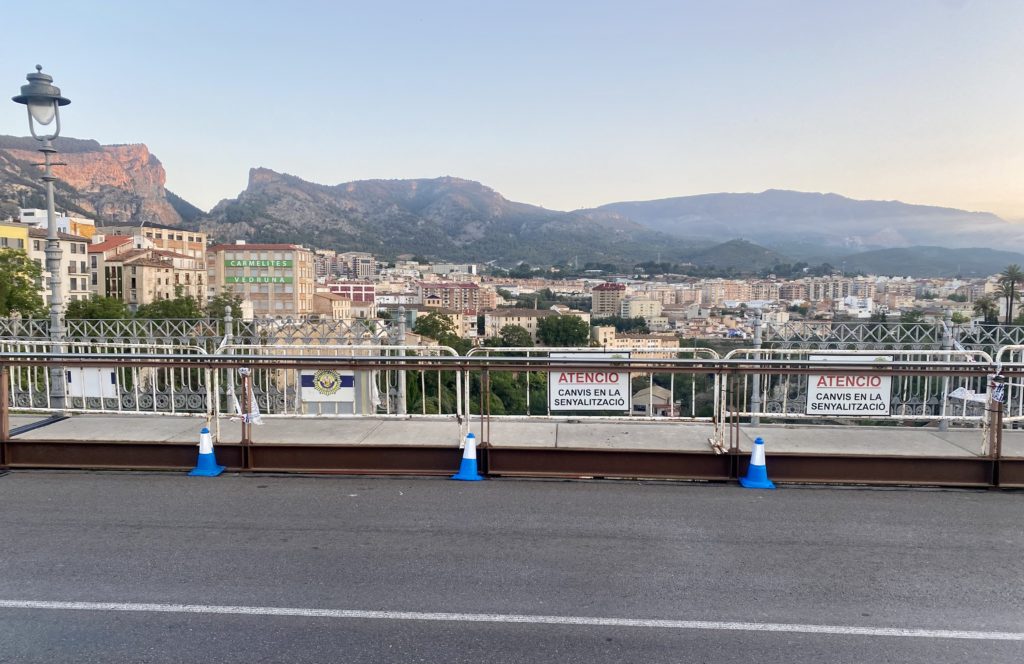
731,567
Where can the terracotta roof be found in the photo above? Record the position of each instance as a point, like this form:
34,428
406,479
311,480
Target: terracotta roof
171,254
610,287
255,247
522,313
331,296
447,284
41,234
127,256
136,229
109,243
152,262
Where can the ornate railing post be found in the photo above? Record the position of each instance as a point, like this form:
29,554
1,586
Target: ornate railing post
947,345
401,406
755,379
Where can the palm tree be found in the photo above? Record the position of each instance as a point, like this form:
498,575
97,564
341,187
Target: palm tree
987,308
1008,291
1008,280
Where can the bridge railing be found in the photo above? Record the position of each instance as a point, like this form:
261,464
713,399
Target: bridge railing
911,397
654,395
784,375
325,391
117,388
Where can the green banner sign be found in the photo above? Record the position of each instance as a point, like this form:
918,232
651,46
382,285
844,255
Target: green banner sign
257,263
258,280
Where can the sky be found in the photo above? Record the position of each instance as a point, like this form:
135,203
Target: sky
561,104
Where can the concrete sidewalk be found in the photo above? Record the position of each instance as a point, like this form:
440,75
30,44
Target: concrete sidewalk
640,435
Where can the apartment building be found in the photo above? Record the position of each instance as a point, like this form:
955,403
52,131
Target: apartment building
331,305
528,319
13,235
80,226
606,300
325,263
828,289
458,296
168,238
278,279
358,264
356,291
74,264
640,307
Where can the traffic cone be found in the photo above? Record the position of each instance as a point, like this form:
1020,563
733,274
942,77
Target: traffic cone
467,469
207,464
757,473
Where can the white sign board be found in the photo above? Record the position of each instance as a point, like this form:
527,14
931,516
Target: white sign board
328,385
92,382
857,395
589,389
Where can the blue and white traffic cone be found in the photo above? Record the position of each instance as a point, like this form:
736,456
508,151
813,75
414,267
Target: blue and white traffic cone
207,464
467,469
757,473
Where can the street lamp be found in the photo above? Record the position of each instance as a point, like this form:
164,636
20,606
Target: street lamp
43,101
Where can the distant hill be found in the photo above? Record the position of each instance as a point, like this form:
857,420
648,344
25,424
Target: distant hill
821,225
456,219
739,255
932,262
443,217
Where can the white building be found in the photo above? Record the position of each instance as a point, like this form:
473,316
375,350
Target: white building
74,264
640,307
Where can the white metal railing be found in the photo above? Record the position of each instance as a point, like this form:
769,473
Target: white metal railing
784,396
119,389
375,392
702,390
1012,357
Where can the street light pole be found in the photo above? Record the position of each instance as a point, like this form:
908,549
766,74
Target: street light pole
43,101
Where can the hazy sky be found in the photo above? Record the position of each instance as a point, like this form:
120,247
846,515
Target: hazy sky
561,104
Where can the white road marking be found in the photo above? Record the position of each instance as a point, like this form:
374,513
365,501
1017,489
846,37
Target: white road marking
583,621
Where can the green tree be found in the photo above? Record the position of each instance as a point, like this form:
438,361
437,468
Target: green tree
960,318
434,325
440,328
521,271
217,306
96,308
636,324
19,276
986,307
563,331
179,307
515,336
912,316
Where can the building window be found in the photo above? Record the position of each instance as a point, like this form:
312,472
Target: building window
92,261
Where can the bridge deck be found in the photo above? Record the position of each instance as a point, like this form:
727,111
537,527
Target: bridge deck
892,455
640,435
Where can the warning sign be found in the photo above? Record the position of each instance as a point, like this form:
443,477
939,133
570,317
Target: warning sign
856,395
589,389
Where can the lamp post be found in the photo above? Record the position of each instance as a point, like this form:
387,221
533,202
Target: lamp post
43,101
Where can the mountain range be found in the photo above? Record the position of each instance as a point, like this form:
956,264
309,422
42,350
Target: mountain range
456,219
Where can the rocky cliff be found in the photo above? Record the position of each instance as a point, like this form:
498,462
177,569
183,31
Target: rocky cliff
113,183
